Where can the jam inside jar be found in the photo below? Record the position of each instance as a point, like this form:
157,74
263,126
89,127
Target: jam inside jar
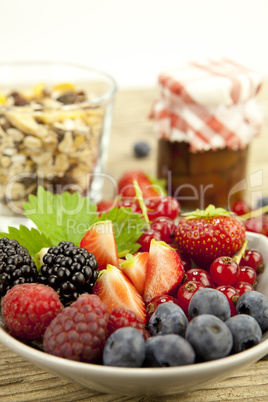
198,179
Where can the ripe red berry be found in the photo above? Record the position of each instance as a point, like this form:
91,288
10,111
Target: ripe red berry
29,308
232,295
186,292
255,224
207,234
127,202
199,275
146,237
166,227
79,332
120,317
186,261
242,287
253,259
105,206
154,303
247,274
166,206
224,271
241,207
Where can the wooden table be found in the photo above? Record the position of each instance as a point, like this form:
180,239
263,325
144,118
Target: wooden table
22,381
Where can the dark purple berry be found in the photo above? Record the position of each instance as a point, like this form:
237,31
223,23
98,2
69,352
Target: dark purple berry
16,265
70,270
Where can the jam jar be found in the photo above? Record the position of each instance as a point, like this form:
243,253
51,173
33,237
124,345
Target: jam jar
205,117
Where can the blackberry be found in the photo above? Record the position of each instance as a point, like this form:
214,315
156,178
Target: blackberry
16,265
70,270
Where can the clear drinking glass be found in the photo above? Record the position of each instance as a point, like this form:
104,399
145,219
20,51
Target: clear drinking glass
55,124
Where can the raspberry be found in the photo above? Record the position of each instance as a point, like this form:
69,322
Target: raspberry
29,308
16,265
79,332
119,318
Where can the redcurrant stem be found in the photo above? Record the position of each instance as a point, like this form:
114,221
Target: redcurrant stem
254,214
237,257
141,203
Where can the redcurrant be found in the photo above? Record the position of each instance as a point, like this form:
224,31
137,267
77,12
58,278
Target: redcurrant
164,206
232,295
154,303
199,275
241,207
166,228
129,203
253,259
224,271
255,224
186,292
247,274
242,287
146,237
185,259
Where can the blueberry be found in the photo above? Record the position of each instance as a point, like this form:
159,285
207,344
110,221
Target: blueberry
168,318
141,149
255,304
168,350
210,337
262,202
124,348
209,301
245,330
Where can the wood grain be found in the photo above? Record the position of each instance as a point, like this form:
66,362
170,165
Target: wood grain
22,381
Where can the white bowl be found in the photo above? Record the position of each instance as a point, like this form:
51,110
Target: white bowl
149,381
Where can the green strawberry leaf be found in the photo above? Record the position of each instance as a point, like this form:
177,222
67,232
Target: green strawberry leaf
127,229
210,212
63,216
128,262
32,238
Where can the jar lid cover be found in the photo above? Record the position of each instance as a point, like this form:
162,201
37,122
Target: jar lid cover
209,83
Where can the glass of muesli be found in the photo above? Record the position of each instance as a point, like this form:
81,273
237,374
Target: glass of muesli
55,123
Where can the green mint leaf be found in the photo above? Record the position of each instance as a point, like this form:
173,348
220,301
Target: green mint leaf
32,239
127,229
61,217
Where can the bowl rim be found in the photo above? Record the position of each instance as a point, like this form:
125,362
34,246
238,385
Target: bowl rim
34,355
107,97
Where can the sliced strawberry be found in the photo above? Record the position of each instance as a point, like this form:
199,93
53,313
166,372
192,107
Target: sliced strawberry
165,270
134,266
100,241
116,290
126,187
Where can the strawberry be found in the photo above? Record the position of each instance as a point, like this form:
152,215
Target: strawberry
115,290
134,266
105,206
164,270
126,187
207,234
100,241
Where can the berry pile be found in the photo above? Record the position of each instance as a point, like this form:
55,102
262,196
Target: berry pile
186,296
